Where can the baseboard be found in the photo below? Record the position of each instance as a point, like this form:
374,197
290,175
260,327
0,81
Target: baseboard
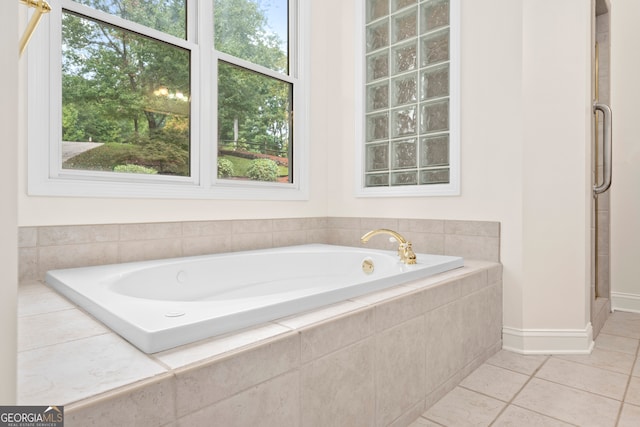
625,302
548,341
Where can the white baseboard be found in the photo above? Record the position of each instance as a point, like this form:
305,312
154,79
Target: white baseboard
548,341
625,302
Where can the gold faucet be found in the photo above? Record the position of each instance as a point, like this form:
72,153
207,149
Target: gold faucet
405,251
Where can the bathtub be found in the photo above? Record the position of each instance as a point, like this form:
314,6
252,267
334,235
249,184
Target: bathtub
157,305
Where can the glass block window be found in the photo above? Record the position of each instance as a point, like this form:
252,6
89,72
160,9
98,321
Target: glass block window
410,120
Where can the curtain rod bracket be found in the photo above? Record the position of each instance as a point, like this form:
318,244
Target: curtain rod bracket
41,7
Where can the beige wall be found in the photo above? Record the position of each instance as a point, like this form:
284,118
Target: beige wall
9,210
525,145
625,190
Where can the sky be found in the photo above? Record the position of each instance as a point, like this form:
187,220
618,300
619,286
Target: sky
277,17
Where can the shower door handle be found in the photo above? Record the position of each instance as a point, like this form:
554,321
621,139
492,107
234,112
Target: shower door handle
606,152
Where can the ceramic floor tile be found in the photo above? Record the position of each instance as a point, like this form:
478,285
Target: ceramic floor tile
623,328
633,392
421,422
514,416
630,416
616,343
39,299
610,360
461,408
517,362
636,368
583,377
568,404
496,382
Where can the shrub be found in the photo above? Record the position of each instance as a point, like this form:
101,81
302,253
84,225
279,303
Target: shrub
225,168
134,169
263,170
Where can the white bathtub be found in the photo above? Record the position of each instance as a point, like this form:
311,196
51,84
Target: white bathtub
157,305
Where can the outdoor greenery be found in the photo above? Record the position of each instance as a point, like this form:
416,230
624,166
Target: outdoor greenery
263,170
225,168
132,93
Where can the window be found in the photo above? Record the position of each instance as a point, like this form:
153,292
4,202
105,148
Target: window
169,98
408,135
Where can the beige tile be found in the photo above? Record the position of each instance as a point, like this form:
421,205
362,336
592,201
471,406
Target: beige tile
206,228
616,343
633,393
69,256
27,237
463,408
368,224
150,231
144,250
331,335
398,310
28,265
250,241
65,373
568,404
432,226
494,274
274,403
445,334
517,362
344,237
426,243
409,416
622,324
400,369
312,317
441,294
46,329
330,386
583,377
343,223
41,300
474,247
202,385
146,403
77,234
629,416
318,236
251,226
206,245
636,368
423,422
472,228
495,382
604,359
291,224
289,238
514,416
201,350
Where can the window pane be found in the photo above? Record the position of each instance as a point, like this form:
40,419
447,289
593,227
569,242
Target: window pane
125,101
254,128
254,30
169,16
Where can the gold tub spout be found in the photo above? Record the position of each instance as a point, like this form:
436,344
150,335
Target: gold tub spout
405,251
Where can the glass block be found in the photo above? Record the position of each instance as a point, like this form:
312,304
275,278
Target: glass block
404,178
401,4
434,117
434,82
377,66
377,180
403,121
434,151
377,9
377,157
377,97
404,90
404,57
434,48
404,154
434,14
377,36
377,126
404,26
434,176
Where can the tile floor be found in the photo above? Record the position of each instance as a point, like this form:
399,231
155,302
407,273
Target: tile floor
601,389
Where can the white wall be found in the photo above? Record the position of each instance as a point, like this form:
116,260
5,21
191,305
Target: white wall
9,210
625,189
525,145
525,150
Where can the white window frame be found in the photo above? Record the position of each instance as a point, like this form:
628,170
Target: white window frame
453,187
44,118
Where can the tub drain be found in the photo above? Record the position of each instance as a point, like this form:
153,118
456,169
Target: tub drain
174,314
367,265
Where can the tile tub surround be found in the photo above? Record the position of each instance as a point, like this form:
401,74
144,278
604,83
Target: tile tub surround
53,247
380,359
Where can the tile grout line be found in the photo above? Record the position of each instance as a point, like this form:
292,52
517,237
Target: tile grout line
626,390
